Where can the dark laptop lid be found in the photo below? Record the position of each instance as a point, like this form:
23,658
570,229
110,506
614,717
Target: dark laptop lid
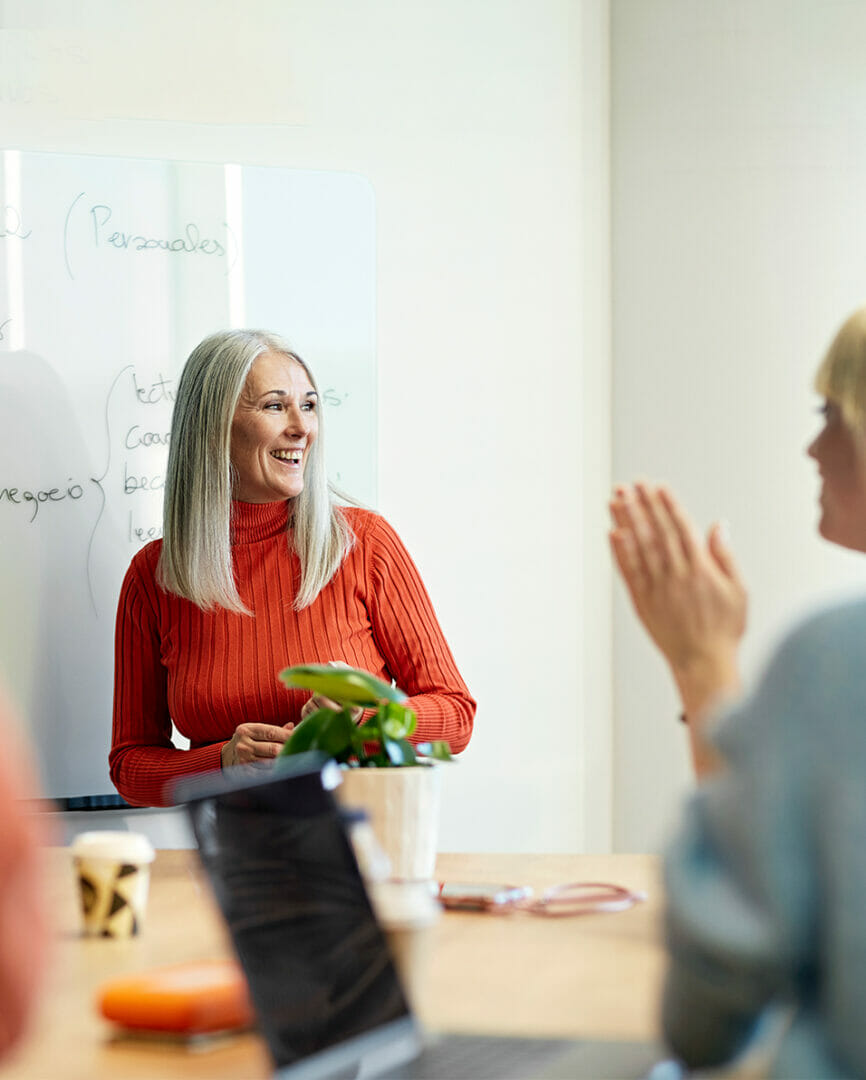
320,975
285,877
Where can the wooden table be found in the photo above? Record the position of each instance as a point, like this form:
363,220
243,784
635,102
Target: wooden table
592,976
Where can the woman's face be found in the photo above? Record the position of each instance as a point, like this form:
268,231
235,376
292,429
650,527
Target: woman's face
840,452
273,429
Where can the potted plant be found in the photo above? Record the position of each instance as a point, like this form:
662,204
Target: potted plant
384,774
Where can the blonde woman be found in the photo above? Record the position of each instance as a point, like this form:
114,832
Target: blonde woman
767,876
688,593
258,569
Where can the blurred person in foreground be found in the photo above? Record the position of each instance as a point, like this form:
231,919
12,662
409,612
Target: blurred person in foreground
260,569
766,881
688,592
23,923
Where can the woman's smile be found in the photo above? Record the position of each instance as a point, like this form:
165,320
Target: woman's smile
274,427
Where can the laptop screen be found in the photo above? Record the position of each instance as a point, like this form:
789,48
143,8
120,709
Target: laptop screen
285,877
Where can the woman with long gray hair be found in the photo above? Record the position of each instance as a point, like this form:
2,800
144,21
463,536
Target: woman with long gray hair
259,569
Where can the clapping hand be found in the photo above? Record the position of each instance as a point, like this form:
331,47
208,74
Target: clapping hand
686,591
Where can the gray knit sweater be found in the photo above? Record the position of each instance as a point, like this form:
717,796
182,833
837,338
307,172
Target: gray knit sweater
767,879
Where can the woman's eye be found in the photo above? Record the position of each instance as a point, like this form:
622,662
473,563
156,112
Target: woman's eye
274,405
309,406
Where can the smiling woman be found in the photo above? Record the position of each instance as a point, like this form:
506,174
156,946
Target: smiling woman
687,592
259,569
839,450
766,877
274,427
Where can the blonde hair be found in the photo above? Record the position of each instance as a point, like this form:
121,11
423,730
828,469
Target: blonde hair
842,375
196,557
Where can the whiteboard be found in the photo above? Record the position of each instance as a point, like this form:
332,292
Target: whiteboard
111,270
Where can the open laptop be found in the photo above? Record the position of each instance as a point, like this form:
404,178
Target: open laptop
326,993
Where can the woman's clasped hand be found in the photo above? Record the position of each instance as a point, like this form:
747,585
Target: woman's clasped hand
255,744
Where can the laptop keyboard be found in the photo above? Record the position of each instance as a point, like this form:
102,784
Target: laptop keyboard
475,1057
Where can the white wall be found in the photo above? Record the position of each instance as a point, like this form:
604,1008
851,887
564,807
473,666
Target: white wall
482,127
739,166
739,232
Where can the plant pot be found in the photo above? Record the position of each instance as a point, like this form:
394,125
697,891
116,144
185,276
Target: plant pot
402,805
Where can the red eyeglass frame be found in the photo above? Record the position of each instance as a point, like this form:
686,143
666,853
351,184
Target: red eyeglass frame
572,898
582,898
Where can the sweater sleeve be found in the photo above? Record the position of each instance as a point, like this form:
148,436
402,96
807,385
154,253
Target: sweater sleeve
411,641
741,897
143,761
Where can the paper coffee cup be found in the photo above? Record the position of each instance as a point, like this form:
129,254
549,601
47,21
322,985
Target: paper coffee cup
113,870
407,913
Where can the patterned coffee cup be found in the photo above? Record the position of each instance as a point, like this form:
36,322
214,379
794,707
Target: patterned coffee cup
113,870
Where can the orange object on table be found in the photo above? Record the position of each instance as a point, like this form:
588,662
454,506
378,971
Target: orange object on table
184,999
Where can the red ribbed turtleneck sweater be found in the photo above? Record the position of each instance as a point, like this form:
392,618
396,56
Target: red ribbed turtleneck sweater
210,671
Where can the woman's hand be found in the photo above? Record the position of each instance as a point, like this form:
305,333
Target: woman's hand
255,744
687,592
318,701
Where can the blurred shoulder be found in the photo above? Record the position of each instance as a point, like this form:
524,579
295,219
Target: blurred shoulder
812,690
836,630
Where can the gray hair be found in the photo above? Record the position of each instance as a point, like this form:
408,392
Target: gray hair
196,558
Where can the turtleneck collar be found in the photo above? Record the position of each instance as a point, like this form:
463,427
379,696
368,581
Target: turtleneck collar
258,521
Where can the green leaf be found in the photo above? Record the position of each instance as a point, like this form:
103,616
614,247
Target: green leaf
397,721
336,739
306,734
399,751
346,686
357,739
439,750
369,731
377,759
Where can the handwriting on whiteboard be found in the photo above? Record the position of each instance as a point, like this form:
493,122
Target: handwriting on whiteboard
33,499
135,457
107,233
189,242
11,223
